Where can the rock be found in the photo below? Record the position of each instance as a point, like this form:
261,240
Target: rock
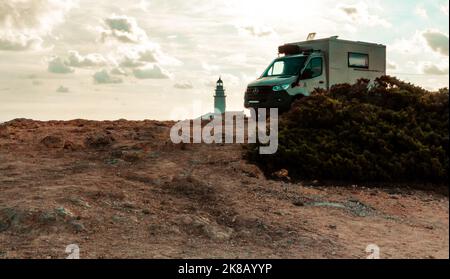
52,141
4,225
47,217
61,211
79,202
4,132
77,226
128,205
359,209
333,227
328,204
21,123
217,233
8,217
99,140
154,155
132,156
68,145
119,219
116,154
245,233
192,187
209,228
112,161
298,203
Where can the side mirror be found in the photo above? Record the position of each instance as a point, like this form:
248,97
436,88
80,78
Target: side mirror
307,74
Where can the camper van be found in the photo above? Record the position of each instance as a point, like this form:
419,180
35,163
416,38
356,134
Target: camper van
304,66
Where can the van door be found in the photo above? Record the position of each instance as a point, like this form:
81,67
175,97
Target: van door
314,75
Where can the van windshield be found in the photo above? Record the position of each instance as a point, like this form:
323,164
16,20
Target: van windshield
285,66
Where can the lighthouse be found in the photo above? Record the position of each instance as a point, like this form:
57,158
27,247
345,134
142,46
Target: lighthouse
220,98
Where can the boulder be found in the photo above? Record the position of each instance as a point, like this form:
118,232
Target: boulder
99,140
53,141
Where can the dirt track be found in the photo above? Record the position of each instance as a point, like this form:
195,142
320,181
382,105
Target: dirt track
122,190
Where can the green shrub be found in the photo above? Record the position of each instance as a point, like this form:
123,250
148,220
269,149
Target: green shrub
391,131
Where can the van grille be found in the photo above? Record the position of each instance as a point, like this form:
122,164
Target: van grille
257,91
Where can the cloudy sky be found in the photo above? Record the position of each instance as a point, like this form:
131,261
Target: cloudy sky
157,59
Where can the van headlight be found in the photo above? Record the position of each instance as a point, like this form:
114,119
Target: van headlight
281,87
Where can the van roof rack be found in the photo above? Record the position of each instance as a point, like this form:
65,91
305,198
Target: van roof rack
292,49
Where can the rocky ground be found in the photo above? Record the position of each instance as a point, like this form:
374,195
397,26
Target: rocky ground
122,190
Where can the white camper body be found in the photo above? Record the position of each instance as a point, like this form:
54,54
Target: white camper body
305,66
339,54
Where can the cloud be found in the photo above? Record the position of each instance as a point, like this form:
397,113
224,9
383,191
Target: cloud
209,68
444,9
140,55
149,55
422,12
58,65
143,5
131,62
123,28
151,71
256,30
431,69
350,10
18,42
24,23
103,77
391,66
437,41
360,14
431,42
135,50
183,85
90,60
118,72
62,89
228,80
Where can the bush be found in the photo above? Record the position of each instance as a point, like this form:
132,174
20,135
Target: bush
391,131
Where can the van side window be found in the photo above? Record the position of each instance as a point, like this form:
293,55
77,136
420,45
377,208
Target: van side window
314,68
358,60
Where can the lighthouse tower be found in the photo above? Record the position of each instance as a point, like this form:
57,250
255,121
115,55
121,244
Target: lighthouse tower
220,98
